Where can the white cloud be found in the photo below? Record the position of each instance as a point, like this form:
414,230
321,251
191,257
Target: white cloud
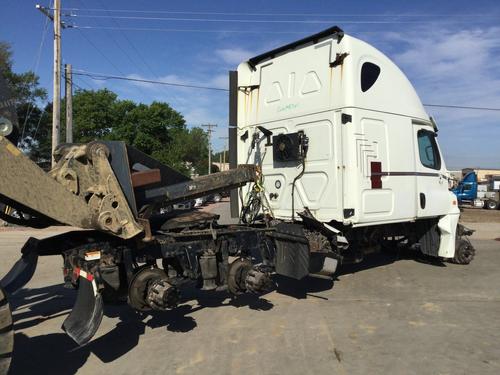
234,56
98,82
198,106
220,81
459,68
454,67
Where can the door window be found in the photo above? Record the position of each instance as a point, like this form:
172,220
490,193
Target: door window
428,150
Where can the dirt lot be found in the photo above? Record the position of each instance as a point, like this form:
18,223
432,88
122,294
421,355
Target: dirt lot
480,215
385,316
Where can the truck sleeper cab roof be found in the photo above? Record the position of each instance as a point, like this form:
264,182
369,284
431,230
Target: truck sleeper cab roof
367,79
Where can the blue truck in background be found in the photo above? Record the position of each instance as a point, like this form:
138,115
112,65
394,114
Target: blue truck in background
467,193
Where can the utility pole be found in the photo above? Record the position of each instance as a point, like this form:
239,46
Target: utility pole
210,131
69,102
224,152
56,102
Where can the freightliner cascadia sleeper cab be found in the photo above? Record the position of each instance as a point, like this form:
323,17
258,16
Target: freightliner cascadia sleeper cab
335,124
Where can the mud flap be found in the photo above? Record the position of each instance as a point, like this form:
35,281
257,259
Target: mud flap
23,269
85,318
292,251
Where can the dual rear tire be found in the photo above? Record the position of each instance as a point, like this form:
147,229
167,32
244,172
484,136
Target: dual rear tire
491,204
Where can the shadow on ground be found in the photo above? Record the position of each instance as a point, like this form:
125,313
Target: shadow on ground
56,353
308,286
387,257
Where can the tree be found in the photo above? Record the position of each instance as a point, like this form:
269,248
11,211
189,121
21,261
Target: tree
149,128
37,140
156,129
188,150
26,93
94,114
24,86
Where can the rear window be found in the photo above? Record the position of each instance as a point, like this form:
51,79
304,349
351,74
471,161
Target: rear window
428,149
369,75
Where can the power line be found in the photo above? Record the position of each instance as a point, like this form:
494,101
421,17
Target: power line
130,42
121,49
282,14
462,107
115,22
101,53
106,77
39,121
78,86
36,64
105,57
73,82
83,81
110,35
178,19
87,27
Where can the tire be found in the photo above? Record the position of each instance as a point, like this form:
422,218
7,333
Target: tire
491,204
464,252
6,334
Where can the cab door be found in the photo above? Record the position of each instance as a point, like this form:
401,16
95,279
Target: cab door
433,197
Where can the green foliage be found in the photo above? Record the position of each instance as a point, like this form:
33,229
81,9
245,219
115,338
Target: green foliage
26,93
218,156
156,129
94,114
38,132
24,86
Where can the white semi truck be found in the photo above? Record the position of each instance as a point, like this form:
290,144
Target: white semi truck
341,135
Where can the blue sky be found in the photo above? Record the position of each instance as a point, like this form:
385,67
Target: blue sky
450,51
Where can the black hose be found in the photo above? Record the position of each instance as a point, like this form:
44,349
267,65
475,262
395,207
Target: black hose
293,186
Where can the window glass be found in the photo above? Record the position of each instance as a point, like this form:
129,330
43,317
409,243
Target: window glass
428,150
369,74
467,187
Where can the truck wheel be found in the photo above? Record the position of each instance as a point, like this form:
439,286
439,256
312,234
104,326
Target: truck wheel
6,333
464,252
491,205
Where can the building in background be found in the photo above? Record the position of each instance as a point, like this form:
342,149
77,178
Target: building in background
455,177
483,174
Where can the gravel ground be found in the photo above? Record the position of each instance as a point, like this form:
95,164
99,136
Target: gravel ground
386,315
480,215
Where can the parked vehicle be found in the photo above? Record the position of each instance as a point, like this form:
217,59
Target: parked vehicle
187,205
211,198
200,201
216,198
467,192
345,147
